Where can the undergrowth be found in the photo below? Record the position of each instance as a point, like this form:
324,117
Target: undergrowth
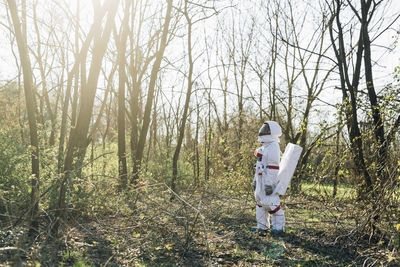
206,223
200,227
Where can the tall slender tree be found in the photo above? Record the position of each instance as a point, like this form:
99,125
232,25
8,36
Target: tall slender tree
121,40
31,108
181,130
150,93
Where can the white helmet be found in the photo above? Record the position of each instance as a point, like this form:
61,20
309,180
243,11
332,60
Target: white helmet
270,128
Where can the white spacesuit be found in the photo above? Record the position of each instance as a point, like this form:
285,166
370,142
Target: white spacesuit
272,178
266,178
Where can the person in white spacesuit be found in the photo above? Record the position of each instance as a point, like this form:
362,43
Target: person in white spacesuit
266,180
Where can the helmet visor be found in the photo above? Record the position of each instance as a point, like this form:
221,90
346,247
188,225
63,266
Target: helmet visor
264,130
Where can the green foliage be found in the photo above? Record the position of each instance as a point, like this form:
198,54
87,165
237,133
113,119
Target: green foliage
14,173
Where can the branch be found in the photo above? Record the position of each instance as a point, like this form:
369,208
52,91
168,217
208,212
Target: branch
306,50
393,131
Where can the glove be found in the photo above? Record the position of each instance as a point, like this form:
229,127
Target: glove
254,185
268,189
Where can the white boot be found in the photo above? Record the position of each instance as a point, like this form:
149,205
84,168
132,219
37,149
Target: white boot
278,221
262,216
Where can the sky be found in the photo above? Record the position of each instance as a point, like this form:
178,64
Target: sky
383,69
386,61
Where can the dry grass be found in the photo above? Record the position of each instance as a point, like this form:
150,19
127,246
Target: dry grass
205,229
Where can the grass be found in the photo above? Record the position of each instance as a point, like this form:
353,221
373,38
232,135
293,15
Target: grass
202,228
345,192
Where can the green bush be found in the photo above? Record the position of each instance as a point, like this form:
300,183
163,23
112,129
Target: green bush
14,173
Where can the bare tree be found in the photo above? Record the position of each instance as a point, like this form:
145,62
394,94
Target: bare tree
80,59
121,40
190,17
78,141
240,58
150,93
311,59
31,110
351,88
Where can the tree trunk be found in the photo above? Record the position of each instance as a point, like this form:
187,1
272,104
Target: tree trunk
350,102
31,110
187,100
338,157
375,108
150,95
121,45
78,137
82,59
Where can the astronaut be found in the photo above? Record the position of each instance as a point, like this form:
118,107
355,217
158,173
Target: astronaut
266,180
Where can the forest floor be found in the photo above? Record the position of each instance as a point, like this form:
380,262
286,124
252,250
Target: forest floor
207,230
